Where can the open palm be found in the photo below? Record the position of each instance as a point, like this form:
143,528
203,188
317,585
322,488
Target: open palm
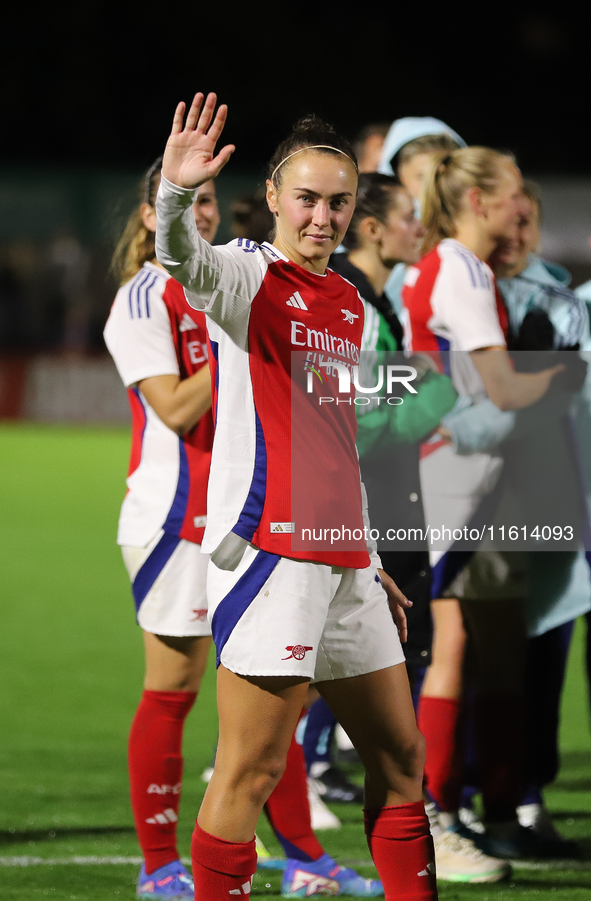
190,158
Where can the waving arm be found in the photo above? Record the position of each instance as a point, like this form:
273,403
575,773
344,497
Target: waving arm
217,280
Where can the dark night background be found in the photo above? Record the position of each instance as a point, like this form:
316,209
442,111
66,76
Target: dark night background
89,90
97,84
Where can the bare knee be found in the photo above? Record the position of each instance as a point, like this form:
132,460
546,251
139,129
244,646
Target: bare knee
254,778
403,759
411,756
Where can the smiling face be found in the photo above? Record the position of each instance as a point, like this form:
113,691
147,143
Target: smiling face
313,206
512,256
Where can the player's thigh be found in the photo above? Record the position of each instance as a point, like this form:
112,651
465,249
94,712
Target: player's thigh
173,663
257,718
444,676
377,713
450,635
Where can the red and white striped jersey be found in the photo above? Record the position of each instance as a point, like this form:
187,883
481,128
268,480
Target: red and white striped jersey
150,332
260,307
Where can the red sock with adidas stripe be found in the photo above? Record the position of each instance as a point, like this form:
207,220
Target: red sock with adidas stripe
155,772
288,809
402,849
442,723
221,869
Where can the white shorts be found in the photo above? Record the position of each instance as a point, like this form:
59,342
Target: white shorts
274,616
168,580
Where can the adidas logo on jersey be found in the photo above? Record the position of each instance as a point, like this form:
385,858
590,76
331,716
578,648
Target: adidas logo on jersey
283,526
349,316
296,301
187,323
167,816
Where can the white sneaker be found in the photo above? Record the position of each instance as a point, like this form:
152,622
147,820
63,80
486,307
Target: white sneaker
322,817
457,859
433,817
537,818
471,820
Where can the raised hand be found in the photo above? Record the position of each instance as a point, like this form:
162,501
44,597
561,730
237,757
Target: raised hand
189,159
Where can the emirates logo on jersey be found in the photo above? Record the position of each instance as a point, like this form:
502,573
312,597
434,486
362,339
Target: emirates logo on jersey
298,651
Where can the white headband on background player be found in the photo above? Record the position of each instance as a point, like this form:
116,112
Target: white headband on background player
311,147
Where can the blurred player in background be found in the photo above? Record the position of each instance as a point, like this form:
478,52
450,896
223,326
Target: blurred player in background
368,146
161,353
543,315
265,598
472,203
408,149
384,232
160,347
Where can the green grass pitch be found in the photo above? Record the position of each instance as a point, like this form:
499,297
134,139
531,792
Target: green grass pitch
70,678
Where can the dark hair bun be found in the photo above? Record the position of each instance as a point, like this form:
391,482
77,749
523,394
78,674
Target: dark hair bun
314,124
309,131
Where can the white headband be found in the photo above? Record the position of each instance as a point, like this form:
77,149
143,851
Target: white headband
311,147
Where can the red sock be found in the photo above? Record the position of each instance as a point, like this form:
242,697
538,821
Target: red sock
499,747
402,850
288,809
441,722
221,869
155,772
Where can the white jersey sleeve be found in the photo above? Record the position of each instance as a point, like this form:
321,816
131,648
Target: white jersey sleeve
138,332
464,302
221,281
372,545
